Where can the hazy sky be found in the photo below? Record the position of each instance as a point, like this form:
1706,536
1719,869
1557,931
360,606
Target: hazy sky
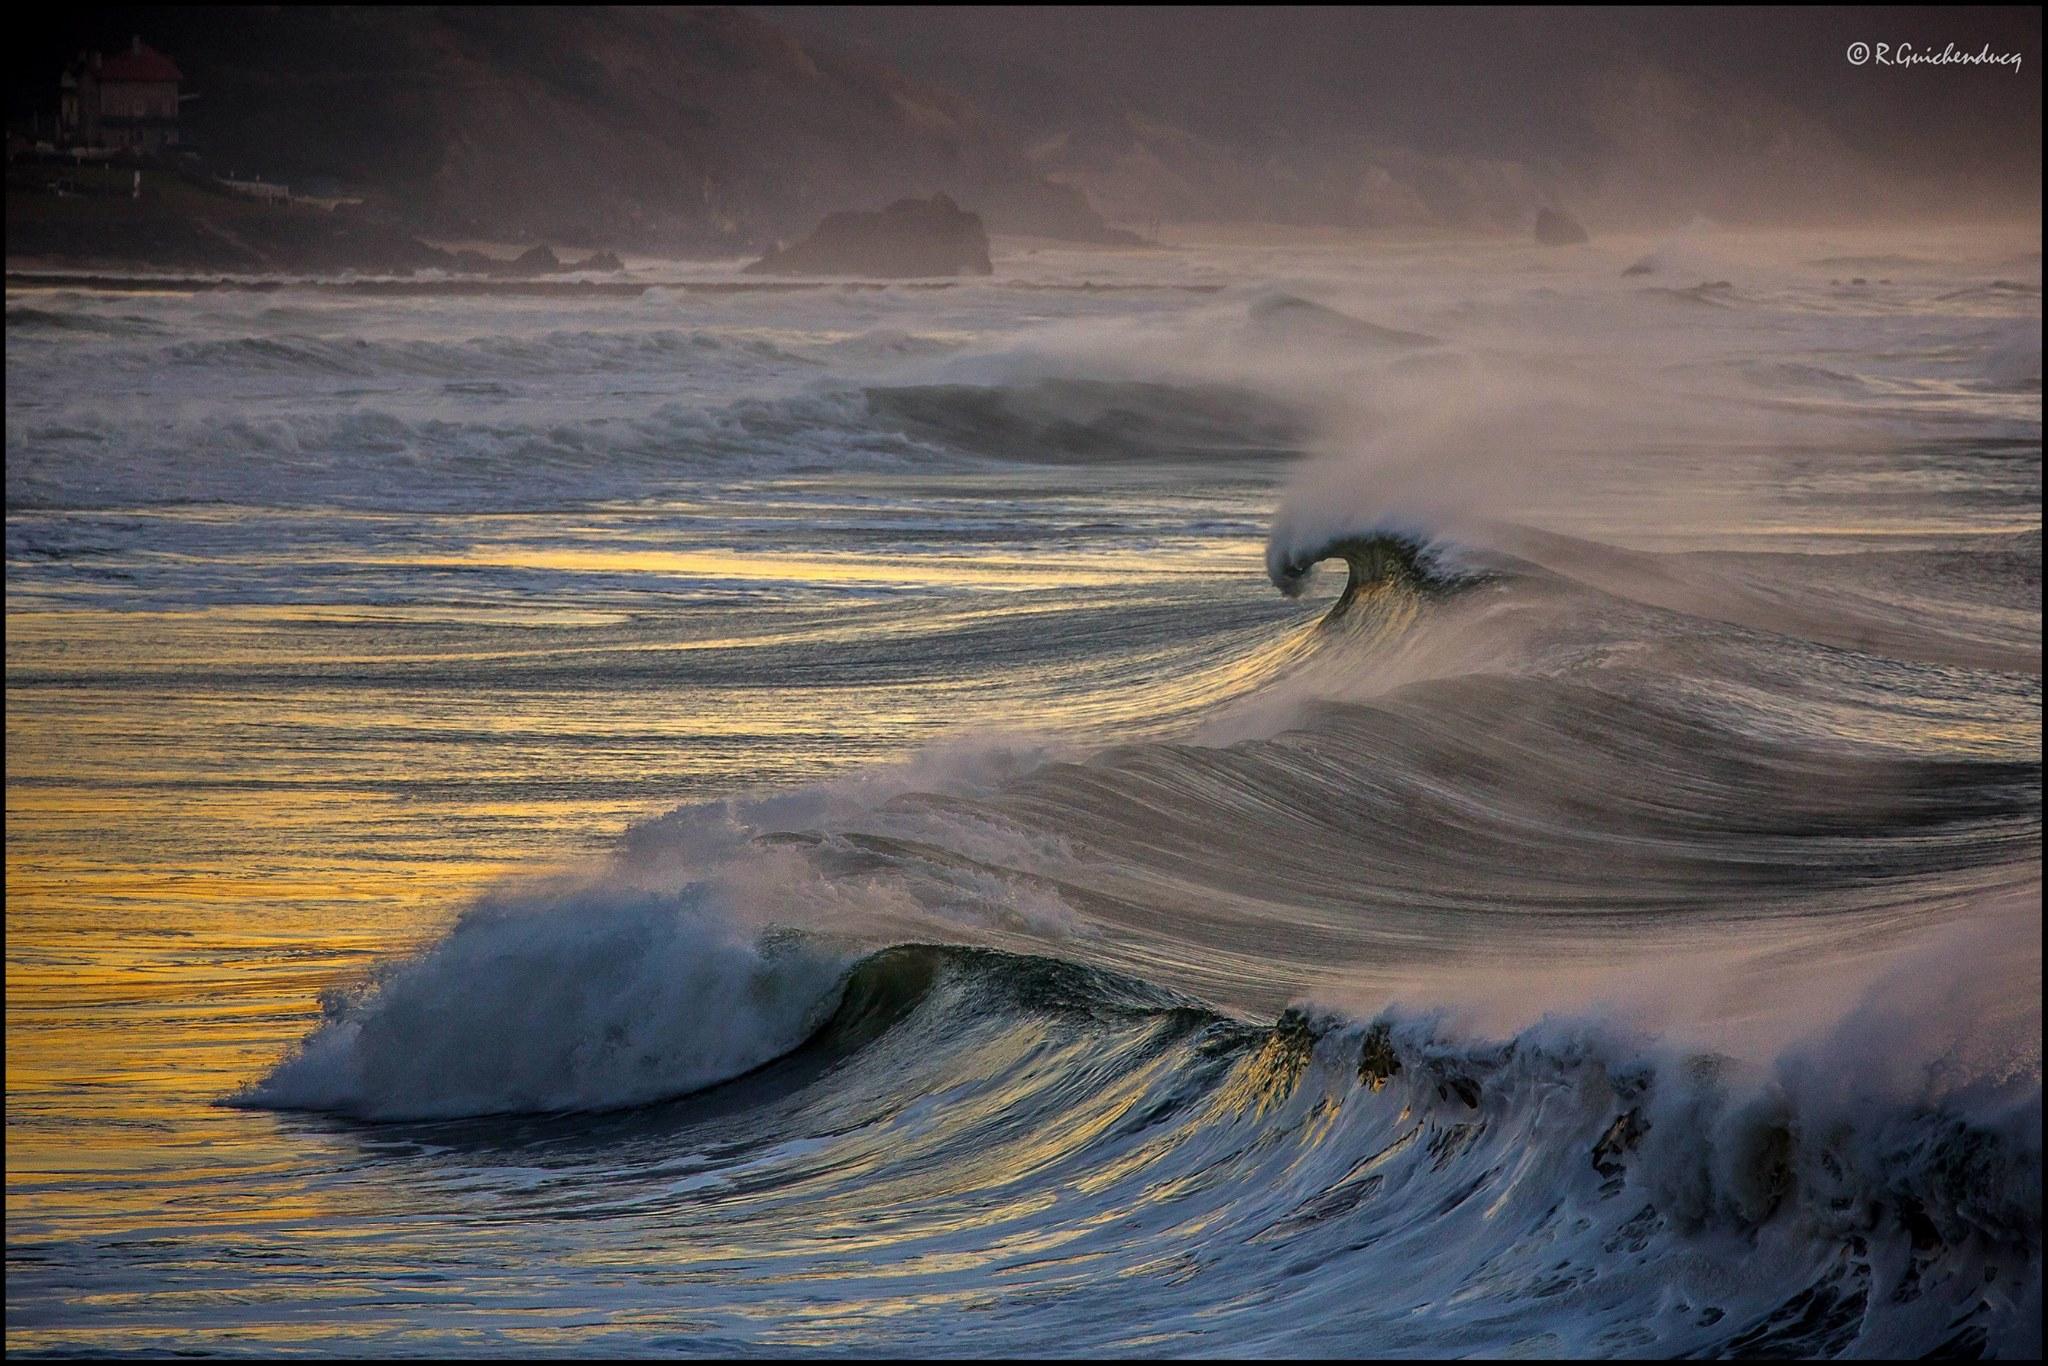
1337,115
1505,82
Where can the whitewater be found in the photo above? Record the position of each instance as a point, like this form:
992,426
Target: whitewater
1285,798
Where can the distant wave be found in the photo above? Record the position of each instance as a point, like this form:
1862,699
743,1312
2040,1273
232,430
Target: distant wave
544,354
57,320
367,456
1709,293
1292,318
1055,420
1995,291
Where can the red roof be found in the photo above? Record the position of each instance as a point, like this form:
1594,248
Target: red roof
141,64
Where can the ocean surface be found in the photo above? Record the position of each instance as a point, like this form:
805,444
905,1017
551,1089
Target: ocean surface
1279,798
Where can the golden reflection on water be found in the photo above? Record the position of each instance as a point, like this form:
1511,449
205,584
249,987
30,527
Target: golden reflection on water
216,813
928,571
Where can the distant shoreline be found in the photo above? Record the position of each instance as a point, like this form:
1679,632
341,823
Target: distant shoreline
139,282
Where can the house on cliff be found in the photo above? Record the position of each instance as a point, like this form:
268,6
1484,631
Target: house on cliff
127,100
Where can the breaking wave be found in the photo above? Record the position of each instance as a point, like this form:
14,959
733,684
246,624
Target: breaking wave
1574,1164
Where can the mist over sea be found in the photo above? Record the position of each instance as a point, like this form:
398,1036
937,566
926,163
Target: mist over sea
1280,797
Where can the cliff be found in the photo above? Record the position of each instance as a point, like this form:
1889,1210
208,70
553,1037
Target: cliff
708,130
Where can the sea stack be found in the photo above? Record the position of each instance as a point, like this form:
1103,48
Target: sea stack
912,237
1555,228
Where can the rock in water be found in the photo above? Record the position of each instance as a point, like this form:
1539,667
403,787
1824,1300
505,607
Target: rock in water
1556,229
911,237
540,260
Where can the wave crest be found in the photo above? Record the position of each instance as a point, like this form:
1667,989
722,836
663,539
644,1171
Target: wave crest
1372,557
593,1002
